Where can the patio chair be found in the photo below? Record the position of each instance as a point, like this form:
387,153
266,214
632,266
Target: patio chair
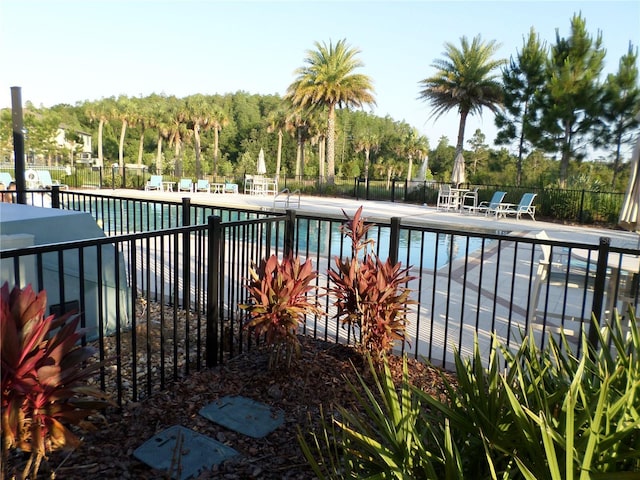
185,185
230,187
154,183
203,186
444,197
492,205
45,180
525,206
469,202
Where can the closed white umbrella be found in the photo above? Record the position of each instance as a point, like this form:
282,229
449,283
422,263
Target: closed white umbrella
629,219
458,175
261,168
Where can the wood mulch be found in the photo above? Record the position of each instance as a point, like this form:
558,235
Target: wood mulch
316,380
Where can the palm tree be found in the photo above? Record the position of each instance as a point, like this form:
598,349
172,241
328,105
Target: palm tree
101,111
219,119
467,79
277,123
198,113
124,113
298,127
328,80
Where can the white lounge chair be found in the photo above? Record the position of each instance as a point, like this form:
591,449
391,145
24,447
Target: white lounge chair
154,183
185,185
203,186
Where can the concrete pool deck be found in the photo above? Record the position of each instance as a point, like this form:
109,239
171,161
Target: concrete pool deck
409,213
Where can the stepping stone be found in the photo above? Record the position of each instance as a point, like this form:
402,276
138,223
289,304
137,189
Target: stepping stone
198,452
243,415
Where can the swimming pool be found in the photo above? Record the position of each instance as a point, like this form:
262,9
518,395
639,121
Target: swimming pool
416,247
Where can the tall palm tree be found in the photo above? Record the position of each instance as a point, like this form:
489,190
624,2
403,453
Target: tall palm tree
328,80
199,120
101,111
177,129
467,79
298,127
124,112
277,123
219,119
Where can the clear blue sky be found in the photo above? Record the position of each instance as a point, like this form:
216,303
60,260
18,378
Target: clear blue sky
71,51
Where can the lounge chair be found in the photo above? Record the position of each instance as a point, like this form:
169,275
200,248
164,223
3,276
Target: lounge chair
5,179
154,183
492,205
553,272
45,180
230,187
185,185
525,206
203,186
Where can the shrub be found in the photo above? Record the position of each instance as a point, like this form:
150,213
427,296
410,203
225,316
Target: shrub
370,295
43,377
279,303
547,415
383,438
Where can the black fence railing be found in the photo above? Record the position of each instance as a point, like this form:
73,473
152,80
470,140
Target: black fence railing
160,293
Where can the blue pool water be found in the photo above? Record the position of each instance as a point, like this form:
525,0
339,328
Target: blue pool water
416,248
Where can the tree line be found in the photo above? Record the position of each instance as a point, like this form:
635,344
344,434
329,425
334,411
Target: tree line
551,107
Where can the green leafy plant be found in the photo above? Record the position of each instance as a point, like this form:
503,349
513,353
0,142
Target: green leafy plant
546,415
44,375
549,414
279,301
371,296
383,438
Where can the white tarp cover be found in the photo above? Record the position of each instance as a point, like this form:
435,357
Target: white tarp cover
25,225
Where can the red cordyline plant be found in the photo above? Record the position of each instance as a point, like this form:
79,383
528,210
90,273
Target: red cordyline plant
371,296
44,377
279,301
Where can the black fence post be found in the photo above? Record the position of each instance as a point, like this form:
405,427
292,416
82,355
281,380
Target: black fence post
55,196
424,192
186,255
394,240
366,188
393,190
406,190
289,232
18,144
124,177
598,289
213,305
581,212
355,188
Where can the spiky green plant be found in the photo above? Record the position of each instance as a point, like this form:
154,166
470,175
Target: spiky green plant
383,438
546,415
44,374
279,301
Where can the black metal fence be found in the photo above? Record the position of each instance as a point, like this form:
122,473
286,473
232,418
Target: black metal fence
160,293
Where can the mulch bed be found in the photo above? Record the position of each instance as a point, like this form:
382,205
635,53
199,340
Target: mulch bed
316,381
